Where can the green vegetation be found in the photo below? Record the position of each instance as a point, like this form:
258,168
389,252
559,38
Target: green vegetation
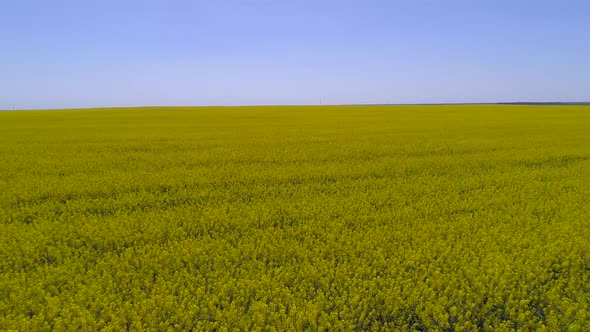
441,218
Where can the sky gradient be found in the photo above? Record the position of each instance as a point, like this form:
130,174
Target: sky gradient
62,54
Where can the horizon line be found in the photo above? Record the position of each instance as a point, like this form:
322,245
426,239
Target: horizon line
540,103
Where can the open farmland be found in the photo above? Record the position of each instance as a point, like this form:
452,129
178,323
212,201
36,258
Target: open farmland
442,218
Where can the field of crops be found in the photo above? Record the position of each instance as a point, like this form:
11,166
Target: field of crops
441,218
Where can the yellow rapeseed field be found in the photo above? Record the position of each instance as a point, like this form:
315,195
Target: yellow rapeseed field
339,218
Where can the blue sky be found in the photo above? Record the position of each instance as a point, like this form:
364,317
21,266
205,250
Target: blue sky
59,54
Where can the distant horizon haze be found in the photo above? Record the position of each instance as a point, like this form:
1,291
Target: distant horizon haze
305,105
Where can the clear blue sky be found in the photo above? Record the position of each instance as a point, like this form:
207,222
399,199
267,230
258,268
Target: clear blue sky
79,53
